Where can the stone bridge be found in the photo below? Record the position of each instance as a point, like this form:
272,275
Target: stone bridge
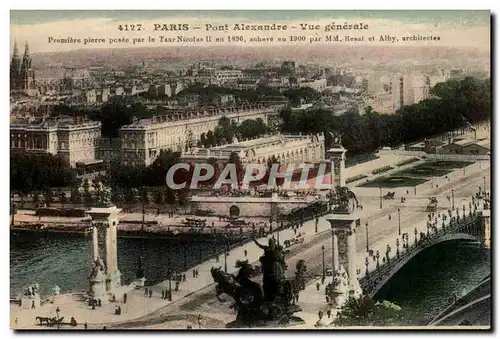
376,266
468,227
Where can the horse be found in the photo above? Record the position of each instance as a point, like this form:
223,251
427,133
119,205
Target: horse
47,320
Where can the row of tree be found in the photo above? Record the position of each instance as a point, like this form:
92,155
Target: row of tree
451,103
227,131
35,172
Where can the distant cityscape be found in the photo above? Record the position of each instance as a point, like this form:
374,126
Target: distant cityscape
178,115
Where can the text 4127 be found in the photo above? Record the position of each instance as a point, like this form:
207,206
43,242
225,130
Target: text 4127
136,27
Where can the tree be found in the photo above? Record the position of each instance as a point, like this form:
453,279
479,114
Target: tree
48,196
300,272
75,196
364,311
158,197
63,199
116,194
130,197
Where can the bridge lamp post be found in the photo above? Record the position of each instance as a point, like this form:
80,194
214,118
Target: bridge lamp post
323,252
367,244
452,199
397,247
366,265
377,255
484,184
416,232
399,221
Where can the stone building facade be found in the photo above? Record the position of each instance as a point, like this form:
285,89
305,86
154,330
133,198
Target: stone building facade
289,150
75,140
142,141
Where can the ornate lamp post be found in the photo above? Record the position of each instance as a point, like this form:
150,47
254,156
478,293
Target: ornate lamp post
380,187
428,226
323,252
399,221
484,184
169,273
397,247
452,199
367,244
226,253
377,255
416,232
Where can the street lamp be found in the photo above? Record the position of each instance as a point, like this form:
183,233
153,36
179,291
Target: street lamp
367,245
169,272
225,254
380,187
399,221
484,184
452,199
397,247
323,252
416,232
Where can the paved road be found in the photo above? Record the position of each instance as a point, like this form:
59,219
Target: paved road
204,302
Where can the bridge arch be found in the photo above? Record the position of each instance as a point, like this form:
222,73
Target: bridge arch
376,279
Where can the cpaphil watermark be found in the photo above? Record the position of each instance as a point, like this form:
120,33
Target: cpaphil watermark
204,173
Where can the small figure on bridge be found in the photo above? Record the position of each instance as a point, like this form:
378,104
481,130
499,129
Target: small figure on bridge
317,286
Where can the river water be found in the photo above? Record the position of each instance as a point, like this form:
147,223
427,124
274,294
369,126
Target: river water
422,288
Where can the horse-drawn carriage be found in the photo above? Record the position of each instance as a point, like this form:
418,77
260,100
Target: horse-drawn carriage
389,195
432,205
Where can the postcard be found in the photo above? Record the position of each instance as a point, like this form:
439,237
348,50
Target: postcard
250,170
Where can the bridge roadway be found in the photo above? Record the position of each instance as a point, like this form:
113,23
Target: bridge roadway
381,232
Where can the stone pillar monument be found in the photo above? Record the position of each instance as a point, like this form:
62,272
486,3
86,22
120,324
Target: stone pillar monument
336,155
105,276
344,228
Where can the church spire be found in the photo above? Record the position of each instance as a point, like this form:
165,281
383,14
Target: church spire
15,62
26,65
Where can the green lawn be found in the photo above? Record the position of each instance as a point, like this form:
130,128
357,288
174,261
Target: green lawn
424,171
394,181
433,169
444,164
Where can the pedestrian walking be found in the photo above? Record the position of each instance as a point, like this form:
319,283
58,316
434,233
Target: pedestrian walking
245,252
57,312
320,314
329,313
85,326
163,294
150,293
125,298
145,291
317,286
184,277
194,273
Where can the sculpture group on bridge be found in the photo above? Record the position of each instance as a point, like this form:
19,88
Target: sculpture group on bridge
258,306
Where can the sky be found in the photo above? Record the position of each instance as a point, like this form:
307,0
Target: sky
455,28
